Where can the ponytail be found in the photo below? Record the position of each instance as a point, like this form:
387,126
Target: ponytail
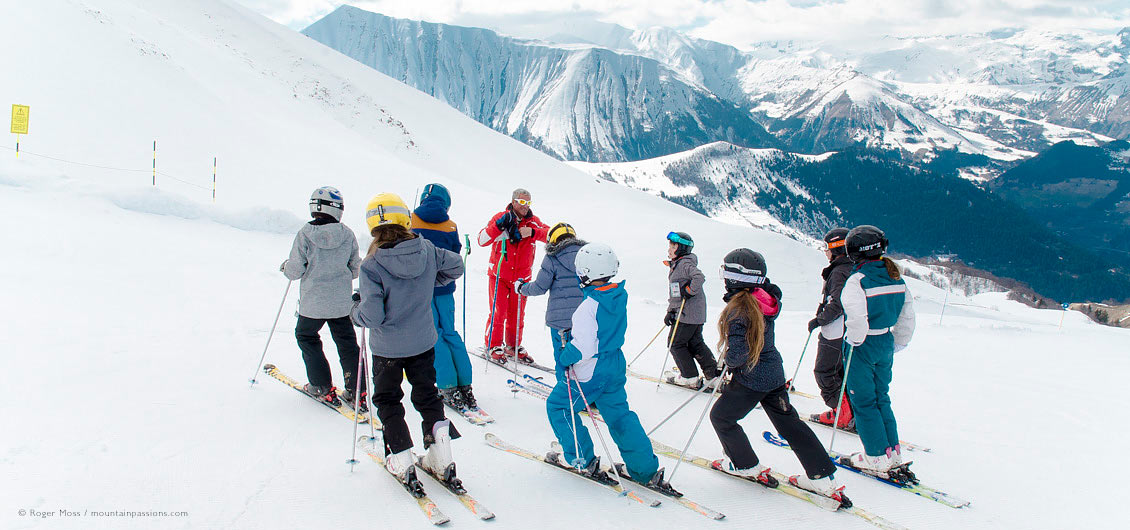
744,306
892,268
387,233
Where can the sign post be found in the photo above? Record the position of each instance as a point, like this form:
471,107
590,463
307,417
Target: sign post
1065,307
20,114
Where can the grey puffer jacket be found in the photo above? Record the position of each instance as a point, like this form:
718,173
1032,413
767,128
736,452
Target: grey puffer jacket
558,276
684,270
324,256
396,296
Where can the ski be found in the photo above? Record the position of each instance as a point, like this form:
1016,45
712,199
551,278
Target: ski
456,489
783,486
482,354
653,379
681,499
905,445
472,417
917,489
537,392
414,488
498,443
342,409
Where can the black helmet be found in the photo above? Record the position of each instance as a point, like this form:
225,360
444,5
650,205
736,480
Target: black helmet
683,241
865,242
834,240
743,269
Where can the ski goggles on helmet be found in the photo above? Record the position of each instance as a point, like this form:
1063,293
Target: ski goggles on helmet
674,237
524,202
835,244
738,273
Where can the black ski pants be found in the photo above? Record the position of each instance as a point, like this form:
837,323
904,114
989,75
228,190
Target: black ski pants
310,342
738,400
388,373
829,370
687,347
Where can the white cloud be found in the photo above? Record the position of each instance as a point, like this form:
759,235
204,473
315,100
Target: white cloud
740,22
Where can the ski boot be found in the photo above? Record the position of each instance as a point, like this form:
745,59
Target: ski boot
693,383
401,466
900,471
873,465
453,398
468,397
708,385
828,417
524,356
327,394
498,354
347,396
595,472
437,461
758,472
825,486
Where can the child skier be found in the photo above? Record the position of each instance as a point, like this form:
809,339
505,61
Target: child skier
324,257
593,362
757,375
879,321
829,369
687,346
558,277
453,366
398,275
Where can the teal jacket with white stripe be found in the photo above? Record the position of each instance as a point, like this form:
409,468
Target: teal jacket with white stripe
874,304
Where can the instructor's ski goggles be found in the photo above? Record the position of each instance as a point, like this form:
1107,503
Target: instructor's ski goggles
524,202
674,237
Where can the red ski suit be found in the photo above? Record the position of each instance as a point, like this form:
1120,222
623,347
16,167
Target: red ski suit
509,313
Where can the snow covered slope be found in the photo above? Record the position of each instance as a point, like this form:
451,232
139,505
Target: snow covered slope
136,314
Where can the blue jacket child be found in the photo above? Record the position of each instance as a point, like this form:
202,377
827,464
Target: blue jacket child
558,277
593,364
453,366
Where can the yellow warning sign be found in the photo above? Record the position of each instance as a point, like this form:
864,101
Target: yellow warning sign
19,118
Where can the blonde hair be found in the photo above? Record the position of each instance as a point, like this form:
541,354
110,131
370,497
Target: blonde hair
743,305
892,268
388,233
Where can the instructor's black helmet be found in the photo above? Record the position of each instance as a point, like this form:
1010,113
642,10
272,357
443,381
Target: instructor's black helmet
835,239
682,240
865,242
743,269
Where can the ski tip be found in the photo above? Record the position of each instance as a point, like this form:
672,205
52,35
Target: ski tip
268,367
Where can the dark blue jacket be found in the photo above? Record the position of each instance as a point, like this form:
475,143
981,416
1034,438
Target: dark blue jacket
769,372
430,220
558,276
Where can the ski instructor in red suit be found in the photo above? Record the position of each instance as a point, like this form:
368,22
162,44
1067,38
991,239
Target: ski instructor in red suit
520,229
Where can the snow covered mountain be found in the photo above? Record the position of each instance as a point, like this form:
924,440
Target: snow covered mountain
573,102
136,313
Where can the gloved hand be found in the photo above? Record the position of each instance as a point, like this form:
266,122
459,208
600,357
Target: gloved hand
685,290
506,222
515,234
670,318
518,285
282,268
813,324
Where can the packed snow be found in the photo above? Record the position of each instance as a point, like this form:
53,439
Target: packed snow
136,314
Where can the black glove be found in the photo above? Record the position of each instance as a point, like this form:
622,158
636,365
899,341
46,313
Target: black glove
515,235
685,290
813,324
670,318
356,296
507,221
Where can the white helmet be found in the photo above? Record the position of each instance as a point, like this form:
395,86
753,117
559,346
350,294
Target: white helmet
596,261
327,200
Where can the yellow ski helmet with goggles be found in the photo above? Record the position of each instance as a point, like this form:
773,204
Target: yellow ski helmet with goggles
387,208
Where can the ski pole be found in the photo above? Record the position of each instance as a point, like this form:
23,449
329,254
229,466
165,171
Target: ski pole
797,371
467,245
670,341
271,334
370,385
494,302
599,435
683,455
577,462
648,345
518,317
843,388
672,415
356,400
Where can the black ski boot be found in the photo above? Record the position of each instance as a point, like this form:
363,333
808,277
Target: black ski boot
326,394
594,472
347,396
468,397
453,398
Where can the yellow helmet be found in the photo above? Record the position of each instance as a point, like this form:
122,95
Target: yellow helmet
387,208
559,230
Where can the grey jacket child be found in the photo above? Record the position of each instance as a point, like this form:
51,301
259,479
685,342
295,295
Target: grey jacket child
558,276
324,256
684,271
396,296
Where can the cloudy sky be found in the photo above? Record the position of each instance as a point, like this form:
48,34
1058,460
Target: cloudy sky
737,22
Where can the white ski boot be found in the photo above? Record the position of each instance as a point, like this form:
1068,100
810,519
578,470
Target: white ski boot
758,472
438,458
400,464
693,383
708,385
826,486
895,455
874,464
